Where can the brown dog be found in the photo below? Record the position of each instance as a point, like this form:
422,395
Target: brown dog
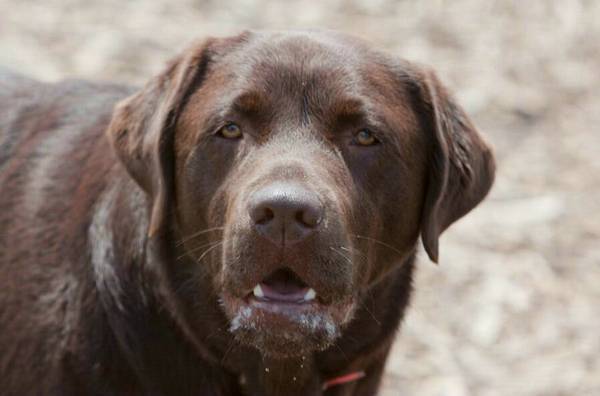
248,227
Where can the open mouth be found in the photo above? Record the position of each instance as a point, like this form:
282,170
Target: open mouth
283,287
283,315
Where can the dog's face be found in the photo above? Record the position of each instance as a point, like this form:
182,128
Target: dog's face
305,152
299,169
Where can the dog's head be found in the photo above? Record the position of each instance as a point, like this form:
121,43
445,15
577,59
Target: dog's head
297,170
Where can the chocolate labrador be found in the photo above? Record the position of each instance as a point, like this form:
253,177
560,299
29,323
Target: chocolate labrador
245,224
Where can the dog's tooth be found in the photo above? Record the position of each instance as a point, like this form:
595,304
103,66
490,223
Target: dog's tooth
310,295
258,292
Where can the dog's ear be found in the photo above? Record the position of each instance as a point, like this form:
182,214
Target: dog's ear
461,165
143,127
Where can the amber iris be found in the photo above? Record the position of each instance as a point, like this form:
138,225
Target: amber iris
231,131
365,137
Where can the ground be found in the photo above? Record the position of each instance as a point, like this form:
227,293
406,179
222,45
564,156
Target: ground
514,306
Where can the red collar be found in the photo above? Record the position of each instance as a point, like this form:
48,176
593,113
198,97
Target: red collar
343,379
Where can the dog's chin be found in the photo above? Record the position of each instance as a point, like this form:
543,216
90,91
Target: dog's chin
285,329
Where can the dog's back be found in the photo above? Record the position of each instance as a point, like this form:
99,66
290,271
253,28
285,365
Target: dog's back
17,95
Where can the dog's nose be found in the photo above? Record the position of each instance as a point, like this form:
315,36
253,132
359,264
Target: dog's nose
285,213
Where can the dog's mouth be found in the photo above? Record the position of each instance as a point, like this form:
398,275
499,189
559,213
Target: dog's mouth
283,287
283,315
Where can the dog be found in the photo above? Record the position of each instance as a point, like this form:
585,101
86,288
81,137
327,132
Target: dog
244,224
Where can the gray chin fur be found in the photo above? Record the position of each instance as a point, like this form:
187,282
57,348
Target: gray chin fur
306,333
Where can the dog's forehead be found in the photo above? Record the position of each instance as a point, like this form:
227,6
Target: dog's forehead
287,58
289,71
310,48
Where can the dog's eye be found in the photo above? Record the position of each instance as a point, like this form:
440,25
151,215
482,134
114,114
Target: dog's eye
230,131
365,137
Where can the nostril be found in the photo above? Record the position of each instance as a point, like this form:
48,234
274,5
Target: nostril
309,217
262,214
268,215
300,217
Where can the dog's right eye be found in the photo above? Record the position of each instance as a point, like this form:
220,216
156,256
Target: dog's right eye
230,131
365,137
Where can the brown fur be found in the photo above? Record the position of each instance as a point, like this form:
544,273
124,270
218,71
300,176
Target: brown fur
107,283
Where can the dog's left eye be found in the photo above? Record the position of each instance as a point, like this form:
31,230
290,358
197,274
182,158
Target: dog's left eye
230,131
365,137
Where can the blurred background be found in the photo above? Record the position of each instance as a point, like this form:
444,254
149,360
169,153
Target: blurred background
514,306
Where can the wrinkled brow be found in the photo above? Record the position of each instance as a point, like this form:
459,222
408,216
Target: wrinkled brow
348,109
249,103
353,111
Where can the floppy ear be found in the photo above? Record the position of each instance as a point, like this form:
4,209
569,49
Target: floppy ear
142,128
461,164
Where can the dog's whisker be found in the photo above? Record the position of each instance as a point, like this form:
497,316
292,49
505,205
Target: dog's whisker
353,250
208,250
364,305
348,259
185,285
378,242
196,234
209,244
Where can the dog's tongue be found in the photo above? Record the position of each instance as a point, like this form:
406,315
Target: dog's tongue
284,285
287,294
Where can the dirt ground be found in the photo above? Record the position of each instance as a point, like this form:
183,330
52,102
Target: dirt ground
514,307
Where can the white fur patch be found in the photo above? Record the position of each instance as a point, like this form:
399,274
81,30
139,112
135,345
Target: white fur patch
101,246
